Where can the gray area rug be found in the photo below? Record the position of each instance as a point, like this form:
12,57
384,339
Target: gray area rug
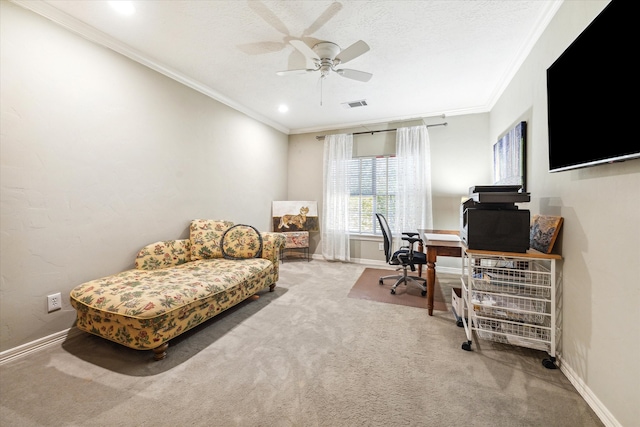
304,355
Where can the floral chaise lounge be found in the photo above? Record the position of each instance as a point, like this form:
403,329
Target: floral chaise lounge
178,284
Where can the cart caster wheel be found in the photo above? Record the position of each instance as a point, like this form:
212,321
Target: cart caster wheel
459,323
424,293
466,346
548,363
393,291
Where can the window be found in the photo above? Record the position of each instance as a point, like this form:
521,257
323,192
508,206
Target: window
373,182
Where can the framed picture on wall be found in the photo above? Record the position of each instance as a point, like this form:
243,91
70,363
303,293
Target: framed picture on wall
509,163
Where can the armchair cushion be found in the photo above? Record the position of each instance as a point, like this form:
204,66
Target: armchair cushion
241,242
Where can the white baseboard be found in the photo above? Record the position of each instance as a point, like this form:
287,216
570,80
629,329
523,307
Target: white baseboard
37,345
594,403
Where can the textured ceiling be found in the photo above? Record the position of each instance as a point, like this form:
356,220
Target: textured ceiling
427,57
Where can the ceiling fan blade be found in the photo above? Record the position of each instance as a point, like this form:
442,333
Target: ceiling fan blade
353,51
268,16
304,49
293,72
329,13
355,74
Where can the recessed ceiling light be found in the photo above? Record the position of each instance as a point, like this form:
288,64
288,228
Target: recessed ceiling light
283,108
124,7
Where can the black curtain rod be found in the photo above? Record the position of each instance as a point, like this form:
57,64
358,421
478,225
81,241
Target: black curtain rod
383,130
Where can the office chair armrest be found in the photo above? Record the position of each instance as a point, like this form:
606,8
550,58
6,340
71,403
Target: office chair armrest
411,241
411,235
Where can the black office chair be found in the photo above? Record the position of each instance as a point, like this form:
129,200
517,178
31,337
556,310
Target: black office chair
405,257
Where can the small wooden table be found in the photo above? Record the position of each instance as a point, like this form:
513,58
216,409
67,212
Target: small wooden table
435,248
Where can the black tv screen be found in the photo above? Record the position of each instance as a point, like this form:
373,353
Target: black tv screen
589,88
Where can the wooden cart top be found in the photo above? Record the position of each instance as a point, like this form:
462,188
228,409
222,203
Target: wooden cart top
531,253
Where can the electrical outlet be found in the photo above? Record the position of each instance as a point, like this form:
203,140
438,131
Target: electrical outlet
54,302
381,246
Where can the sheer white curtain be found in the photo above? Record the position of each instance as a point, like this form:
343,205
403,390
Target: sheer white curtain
335,206
413,198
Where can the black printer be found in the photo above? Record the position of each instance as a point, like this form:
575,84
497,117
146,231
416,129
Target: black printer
490,219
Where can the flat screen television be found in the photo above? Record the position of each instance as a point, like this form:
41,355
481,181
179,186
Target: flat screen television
589,88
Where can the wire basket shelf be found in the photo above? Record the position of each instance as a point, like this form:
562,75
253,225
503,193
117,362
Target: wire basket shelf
508,307
537,337
521,277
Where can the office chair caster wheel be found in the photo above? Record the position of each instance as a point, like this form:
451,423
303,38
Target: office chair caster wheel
424,293
380,282
393,291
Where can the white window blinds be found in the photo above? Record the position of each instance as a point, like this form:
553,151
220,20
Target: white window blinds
373,183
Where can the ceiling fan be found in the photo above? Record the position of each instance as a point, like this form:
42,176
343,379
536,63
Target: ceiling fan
327,56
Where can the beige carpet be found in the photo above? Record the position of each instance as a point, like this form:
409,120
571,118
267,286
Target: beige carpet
368,287
305,355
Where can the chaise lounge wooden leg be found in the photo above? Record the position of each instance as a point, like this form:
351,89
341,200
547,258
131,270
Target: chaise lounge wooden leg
160,352
272,287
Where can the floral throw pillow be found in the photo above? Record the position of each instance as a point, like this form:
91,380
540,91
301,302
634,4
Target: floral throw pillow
241,242
206,238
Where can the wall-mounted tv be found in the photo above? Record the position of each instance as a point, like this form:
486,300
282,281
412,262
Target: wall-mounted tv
589,88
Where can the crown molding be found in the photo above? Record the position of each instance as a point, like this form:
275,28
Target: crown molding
383,120
526,48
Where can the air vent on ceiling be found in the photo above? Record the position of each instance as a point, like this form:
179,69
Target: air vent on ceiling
354,104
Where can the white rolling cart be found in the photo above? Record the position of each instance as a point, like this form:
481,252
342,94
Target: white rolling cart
512,298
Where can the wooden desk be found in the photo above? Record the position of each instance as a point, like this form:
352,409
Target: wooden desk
435,248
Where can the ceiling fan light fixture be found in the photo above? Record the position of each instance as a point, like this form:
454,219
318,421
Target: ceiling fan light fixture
327,56
324,71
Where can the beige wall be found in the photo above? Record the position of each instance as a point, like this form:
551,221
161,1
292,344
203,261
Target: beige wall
458,156
601,231
101,156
